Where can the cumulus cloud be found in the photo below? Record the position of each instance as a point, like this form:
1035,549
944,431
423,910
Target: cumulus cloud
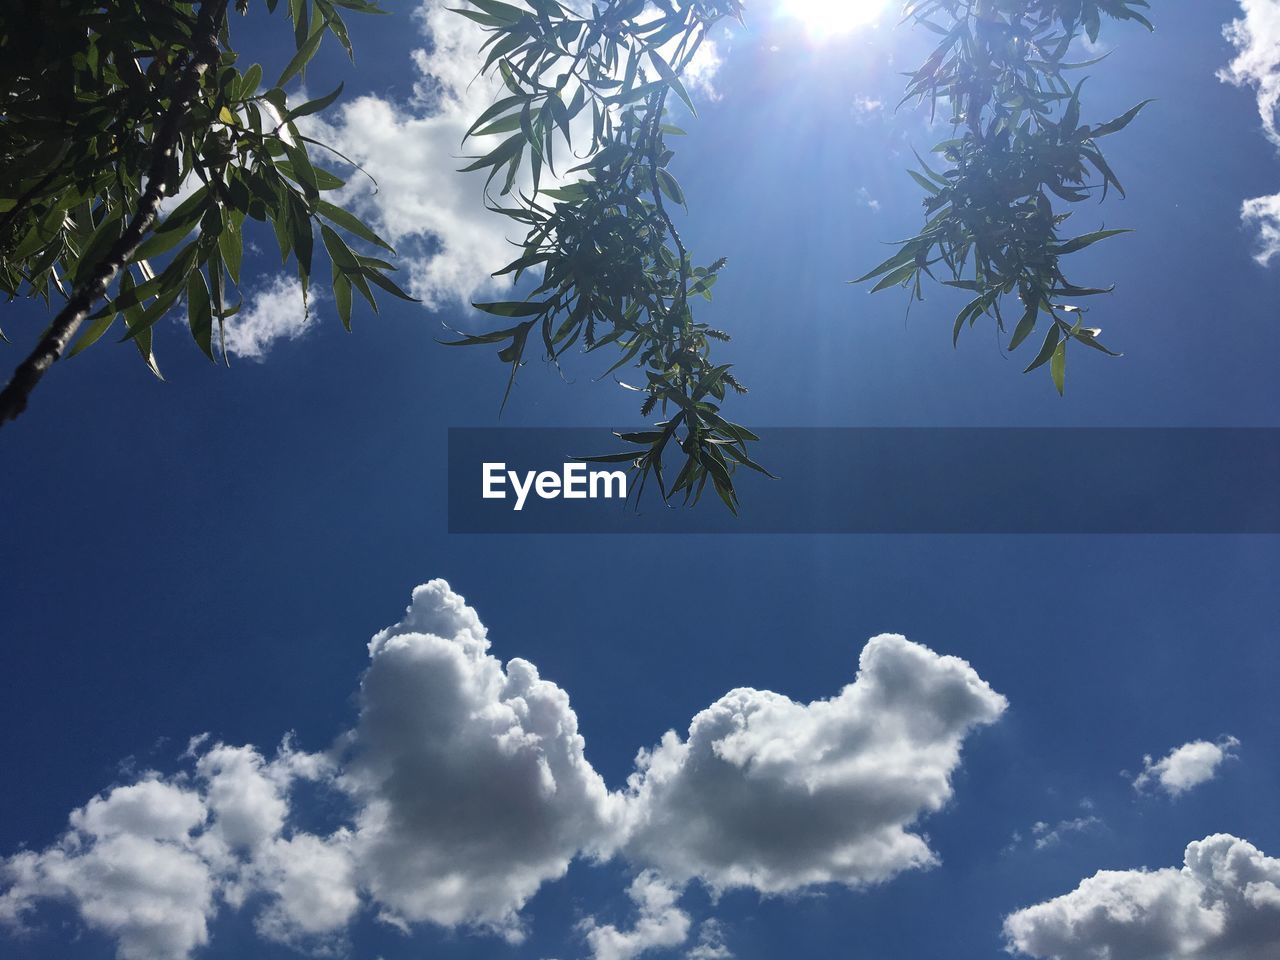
313,888
464,786
277,311
1222,904
777,795
472,778
661,923
1186,766
147,863
1256,37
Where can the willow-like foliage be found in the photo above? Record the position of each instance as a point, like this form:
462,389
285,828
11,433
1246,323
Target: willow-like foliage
592,88
586,96
109,109
1019,156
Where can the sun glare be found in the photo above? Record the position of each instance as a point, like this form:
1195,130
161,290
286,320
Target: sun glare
826,18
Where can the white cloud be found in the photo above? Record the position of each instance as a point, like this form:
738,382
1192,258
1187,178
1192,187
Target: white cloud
129,866
776,795
661,923
449,243
149,863
313,884
865,107
1186,766
272,313
710,945
466,787
1257,64
1223,904
1263,213
700,74
1046,836
472,779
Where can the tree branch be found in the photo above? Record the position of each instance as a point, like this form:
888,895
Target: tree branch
14,397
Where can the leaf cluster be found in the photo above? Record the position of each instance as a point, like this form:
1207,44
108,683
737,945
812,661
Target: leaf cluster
1019,145
86,88
585,100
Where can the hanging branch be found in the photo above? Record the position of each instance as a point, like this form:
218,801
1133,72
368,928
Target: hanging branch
615,271
991,222
110,111
185,87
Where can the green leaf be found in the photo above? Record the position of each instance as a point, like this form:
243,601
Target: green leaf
314,106
339,252
342,295
501,11
92,333
509,148
1025,326
498,109
107,233
381,280
250,82
1046,350
1058,366
905,255
669,75
932,188
321,177
303,56
300,166
670,186
513,308
1119,123
1088,240
200,313
351,223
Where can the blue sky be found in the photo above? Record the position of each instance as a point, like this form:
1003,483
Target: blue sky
213,553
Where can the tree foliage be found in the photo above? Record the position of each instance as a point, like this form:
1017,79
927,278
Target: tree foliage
1001,69
594,88
613,270
109,109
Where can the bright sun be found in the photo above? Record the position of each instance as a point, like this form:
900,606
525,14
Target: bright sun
824,18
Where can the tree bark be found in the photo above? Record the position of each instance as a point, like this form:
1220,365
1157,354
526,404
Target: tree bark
14,397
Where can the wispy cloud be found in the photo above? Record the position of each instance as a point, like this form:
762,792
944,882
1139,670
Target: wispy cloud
1045,835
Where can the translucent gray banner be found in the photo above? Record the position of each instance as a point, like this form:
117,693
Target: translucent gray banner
891,480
